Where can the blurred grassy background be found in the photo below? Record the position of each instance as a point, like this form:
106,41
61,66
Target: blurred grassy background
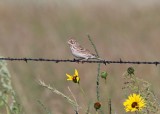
128,30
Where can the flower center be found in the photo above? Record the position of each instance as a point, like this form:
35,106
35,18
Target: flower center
135,105
75,79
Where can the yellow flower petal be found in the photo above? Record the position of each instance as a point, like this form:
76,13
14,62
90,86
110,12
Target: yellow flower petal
76,72
69,77
78,79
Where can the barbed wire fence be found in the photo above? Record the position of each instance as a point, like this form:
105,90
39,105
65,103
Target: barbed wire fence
120,61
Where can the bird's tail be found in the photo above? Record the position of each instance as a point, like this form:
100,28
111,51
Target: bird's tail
98,58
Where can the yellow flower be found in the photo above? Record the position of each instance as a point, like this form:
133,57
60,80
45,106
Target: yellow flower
75,78
134,103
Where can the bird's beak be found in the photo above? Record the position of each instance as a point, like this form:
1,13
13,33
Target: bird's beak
69,43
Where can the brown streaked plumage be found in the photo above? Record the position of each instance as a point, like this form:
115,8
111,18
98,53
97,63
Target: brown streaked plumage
80,52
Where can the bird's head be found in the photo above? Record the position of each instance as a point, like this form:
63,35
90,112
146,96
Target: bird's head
72,41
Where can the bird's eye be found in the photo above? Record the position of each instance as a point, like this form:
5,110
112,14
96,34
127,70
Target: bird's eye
72,41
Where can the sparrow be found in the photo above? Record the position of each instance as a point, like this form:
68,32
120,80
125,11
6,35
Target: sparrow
79,52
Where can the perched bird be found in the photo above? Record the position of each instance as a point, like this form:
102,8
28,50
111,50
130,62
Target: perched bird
80,52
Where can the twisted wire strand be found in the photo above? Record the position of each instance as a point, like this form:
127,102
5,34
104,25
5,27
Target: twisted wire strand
80,61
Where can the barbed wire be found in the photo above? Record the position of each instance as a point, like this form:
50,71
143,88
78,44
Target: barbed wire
120,61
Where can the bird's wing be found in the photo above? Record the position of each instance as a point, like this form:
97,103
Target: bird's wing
84,50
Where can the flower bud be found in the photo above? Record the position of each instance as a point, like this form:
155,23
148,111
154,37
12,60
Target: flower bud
104,74
97,105
130,70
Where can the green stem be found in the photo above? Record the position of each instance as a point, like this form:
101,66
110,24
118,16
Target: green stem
6,105
7,109
136,81
97,88
82,90
110,106
93,45
98,74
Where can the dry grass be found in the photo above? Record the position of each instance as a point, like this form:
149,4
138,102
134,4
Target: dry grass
129,31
